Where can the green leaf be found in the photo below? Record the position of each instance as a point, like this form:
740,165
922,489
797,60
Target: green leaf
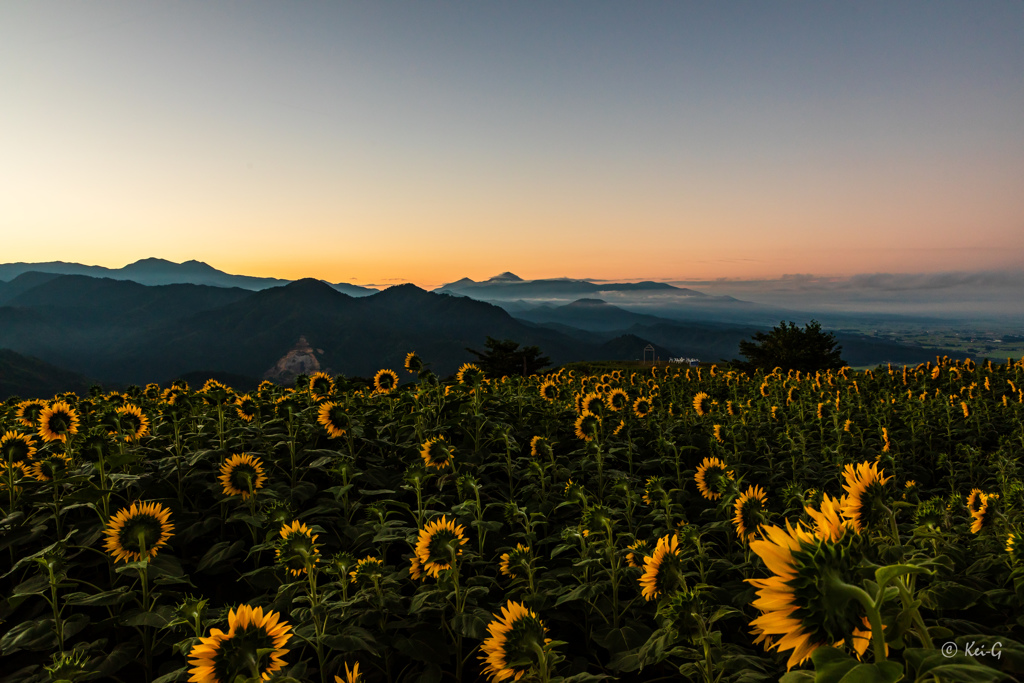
883,672
883,575
831,664
583,592
176,675
352,639
471,624
967,673
216,558
28,635
111,597
158,618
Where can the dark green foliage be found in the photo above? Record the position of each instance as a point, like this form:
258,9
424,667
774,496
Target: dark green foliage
791,348
504,358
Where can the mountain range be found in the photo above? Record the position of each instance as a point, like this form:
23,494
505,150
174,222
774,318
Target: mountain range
156,271
124,332
121,331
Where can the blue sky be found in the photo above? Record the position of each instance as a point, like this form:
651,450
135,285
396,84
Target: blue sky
428,141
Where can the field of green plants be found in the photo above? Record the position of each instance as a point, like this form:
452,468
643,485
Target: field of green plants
685,524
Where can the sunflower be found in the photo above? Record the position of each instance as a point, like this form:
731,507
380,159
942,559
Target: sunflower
654,491
931,512
865,500
416,570
385,381
636,552
366,569
297,549
974,500
469,375
749,511
642,407
979,516
436,453
287,406
549,391
701,403
57,422
592,403
437,544
516,642
265,390
140,528
540,447
321,386
711,478
413,363
1014,548
133,422
50,466
13,471
115,399
28,412
16,448
252,647
804,604
213,385
333,418
351,675
247,408
616,399
516,560
829,523
586,426
661,569
241,475
718,434
214,393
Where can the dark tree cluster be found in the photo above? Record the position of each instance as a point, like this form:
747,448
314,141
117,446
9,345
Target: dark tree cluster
789,347
505,358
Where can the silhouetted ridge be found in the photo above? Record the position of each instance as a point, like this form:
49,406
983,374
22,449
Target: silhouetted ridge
404,290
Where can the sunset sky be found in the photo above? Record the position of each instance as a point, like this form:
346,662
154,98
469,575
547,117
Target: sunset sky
383,142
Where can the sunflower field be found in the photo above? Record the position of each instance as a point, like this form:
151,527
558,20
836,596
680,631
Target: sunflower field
691,524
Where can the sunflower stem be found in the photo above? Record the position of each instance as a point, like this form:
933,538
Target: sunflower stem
314,603
919,625
58,622
146,633
459,605
871,605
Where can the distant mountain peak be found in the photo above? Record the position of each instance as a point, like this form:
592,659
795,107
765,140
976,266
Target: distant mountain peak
309,284
152,260
507,276
588,303
404,290
163,265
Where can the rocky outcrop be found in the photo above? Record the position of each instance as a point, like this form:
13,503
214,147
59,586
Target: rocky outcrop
301,360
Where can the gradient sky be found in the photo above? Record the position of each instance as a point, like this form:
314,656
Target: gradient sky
427,141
